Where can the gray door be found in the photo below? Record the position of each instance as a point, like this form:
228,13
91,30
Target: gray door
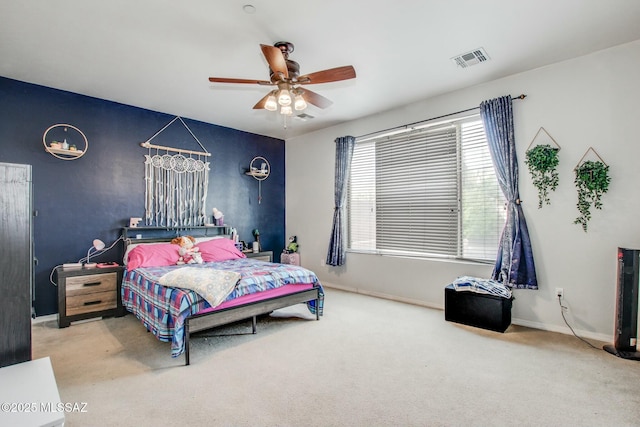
16,263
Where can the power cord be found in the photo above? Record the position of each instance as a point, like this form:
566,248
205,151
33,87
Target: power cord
562,309
51,274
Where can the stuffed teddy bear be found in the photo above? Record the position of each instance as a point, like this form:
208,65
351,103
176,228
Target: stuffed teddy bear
189,253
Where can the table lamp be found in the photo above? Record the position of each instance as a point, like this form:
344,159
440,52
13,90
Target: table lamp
98,245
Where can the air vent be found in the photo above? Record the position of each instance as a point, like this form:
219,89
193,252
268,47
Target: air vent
471,58
304,117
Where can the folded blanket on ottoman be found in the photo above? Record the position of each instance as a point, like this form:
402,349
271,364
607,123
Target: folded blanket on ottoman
481,286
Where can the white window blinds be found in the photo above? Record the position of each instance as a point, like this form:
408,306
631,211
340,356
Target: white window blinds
425,192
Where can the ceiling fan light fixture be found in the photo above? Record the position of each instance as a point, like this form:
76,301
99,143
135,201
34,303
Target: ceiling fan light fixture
271,104
299,103
285,74
286,110
284,98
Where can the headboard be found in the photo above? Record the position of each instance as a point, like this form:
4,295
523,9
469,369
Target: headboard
164,234
149,245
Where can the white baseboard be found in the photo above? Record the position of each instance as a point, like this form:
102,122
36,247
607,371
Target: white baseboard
520,322
42,319
383,296
563,330
54,317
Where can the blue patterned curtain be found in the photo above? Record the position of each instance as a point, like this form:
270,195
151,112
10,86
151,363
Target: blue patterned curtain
514,264
344,153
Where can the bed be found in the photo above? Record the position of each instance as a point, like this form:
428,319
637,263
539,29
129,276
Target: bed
174,301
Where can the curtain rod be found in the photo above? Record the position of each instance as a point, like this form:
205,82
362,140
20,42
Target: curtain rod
521,96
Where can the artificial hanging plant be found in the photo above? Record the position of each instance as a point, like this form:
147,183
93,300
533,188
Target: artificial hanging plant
592,181
542,161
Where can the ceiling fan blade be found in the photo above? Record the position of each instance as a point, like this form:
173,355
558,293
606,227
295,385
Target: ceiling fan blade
242,81
276,60
315,99
327,76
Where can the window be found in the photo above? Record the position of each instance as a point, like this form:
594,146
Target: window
426,192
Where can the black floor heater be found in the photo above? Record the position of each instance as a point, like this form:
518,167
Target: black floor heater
626,328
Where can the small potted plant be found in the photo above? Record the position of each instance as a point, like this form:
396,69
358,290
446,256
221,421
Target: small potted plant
592,181
542,161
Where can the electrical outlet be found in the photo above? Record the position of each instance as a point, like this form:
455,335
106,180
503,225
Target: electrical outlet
560,292
322,262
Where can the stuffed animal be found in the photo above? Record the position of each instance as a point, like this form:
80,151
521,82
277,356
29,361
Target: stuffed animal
189,253
293,244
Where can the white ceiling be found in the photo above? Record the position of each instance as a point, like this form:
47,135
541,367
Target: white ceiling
158,54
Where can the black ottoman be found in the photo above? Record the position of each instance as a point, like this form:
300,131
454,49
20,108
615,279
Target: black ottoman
475,309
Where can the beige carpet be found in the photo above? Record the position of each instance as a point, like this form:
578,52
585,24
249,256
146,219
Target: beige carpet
367,362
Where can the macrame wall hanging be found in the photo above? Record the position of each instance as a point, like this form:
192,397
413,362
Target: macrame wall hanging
175,185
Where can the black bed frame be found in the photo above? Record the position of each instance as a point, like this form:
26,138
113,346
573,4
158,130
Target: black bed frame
212,319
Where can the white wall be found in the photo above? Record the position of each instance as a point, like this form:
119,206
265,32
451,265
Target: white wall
588,101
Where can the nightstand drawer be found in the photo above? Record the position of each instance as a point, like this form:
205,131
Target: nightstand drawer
91,302
92,283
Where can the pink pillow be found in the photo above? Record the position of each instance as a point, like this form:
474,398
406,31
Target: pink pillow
156,255
219,250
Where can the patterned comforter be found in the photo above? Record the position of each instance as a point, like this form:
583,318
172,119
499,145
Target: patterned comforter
163,310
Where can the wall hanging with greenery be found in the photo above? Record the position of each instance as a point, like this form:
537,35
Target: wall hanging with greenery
592,181
542,161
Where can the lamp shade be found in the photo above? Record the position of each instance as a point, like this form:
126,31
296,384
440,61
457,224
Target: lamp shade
98,244
300,103
286,110
271,104
284,98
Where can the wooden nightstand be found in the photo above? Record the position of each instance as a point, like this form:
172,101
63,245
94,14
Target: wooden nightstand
262,256
84,293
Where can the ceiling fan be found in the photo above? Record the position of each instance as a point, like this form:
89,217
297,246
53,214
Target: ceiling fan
285,74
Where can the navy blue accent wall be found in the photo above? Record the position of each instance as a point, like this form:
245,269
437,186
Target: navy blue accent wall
95,195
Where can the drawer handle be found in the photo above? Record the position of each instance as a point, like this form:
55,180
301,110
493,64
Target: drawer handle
92,284
92,302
